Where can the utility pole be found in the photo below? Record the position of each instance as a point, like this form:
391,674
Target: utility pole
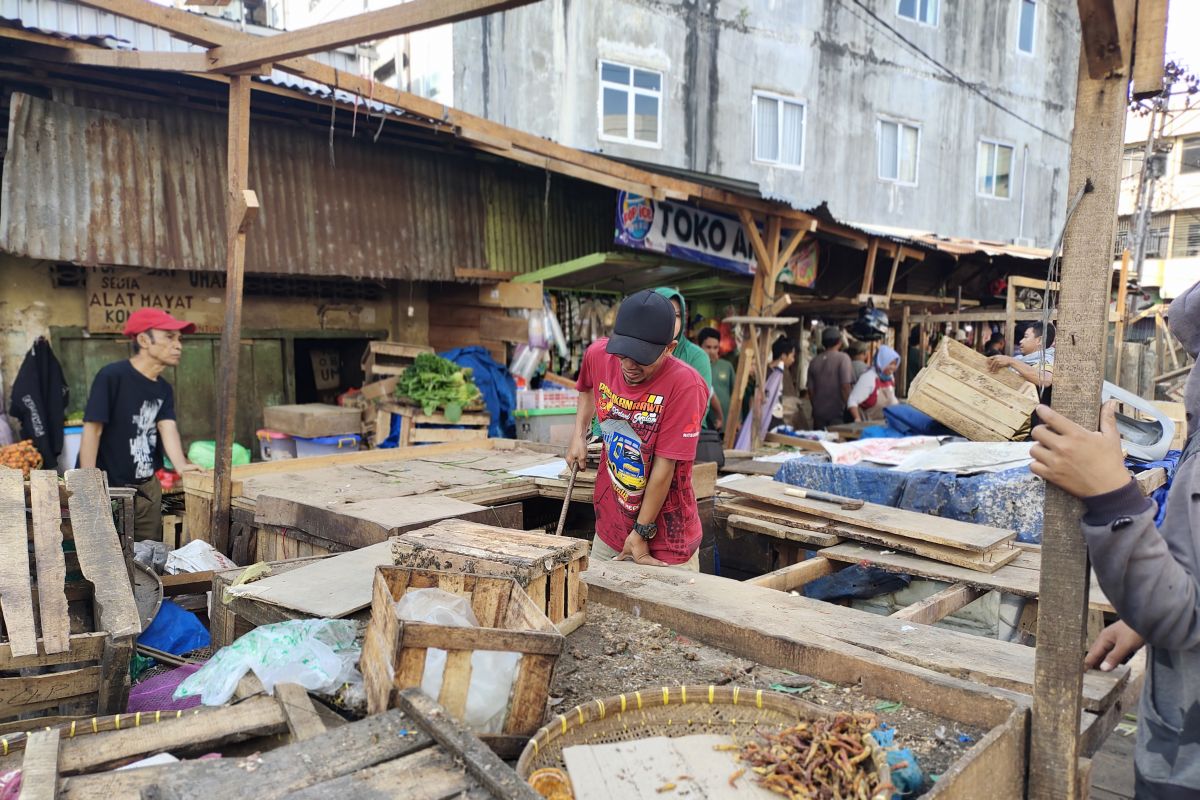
1153,167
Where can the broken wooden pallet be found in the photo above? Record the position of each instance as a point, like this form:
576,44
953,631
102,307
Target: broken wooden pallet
99,659
965,544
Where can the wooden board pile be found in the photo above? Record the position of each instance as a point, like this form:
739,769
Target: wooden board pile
956,389
977,547
704,477
98,676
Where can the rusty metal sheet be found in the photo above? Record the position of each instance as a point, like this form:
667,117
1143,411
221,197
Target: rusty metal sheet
138,184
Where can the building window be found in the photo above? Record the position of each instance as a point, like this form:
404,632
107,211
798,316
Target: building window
1131,163
1191,246
778,130
1191,155
1158,236
630,104
994,169
1026,25
898,147
1187,234
923,11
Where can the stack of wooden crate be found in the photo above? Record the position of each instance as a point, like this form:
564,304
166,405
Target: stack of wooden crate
465,315
957,390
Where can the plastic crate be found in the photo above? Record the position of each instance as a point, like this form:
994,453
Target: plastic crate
326,445
546,425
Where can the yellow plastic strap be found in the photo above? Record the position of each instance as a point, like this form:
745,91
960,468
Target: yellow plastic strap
579,710
600,704
563,720
117,721
137,720
535,746
95,727
5,745
622,704
157,716
72,729
712,690
666,696
758,698
736,691
683,694
638,695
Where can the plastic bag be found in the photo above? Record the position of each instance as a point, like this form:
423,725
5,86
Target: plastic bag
493,672
318,654
196,556
151,553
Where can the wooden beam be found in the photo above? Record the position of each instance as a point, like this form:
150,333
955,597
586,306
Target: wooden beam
238,204
902,346
756,242
896,259
939,605
868,281
302,718
794,576
148,60
39,767
1149,48
1096,147
369,26
1101,40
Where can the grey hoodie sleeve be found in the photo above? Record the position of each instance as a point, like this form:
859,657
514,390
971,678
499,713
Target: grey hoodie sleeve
1148,573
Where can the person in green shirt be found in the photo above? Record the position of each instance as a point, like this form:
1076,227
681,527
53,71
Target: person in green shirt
722,379
685,350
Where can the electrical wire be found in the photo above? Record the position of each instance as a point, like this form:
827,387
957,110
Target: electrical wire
1054,277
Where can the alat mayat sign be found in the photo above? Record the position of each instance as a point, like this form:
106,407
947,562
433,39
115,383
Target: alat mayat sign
709,238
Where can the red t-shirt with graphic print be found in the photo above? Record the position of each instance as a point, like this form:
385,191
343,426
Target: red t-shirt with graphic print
661,416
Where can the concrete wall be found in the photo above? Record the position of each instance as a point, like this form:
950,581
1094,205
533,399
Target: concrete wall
536,68
30,306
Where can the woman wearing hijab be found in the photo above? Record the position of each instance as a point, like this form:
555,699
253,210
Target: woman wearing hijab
783,355
876,389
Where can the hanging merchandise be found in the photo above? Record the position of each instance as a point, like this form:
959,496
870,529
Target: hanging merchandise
39,400
554,332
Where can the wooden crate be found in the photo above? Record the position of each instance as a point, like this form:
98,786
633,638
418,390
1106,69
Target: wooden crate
417,427
547,567
394,651
956,389
390,358
93,671
311,420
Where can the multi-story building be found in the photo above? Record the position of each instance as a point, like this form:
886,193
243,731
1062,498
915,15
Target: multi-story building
930,115
1172,260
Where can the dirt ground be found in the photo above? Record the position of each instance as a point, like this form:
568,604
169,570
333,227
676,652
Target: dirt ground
614,652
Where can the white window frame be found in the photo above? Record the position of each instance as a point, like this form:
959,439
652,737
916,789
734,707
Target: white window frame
1033,43
999,143
903,123
633,92
937,14
781,98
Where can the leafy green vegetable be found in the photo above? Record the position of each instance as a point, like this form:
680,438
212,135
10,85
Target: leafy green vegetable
433,382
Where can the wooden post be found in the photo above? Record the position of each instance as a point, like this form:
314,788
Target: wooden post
769,273
1010,317
902,346
241,206
1122,316
1097,142
896,259
869,269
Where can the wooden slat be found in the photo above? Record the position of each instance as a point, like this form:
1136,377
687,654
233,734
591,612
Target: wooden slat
456,680
778,531
100,556
557,602
51,566
794,576
34,692
80,648
16,595
530,692
447,435
1101,44
910,524
420,635
939,604
303,721
39,767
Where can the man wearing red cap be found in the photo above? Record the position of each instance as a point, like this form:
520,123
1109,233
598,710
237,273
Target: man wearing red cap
130,416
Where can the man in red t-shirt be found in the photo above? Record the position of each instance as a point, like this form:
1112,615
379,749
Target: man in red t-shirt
650,406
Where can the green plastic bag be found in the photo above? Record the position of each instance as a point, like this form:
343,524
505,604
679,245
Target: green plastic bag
204,454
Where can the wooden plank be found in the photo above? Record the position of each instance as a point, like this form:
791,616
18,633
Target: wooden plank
271,775
940,604
16,595
482,764
39,767
379,24
430,774
100,556
726,614
456,680
558,588
794,576
1019,577
312,420
447,435
143,59
909,524
34,692
996,767
302,718
420,635
331,588
868,280
51,566
80,647
1096,148
783,532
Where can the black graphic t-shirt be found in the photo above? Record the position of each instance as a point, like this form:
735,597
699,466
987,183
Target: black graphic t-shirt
130,406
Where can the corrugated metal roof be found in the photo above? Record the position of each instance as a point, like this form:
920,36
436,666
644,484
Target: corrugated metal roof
130,183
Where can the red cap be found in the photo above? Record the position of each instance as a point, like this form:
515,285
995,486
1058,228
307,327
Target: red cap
145,319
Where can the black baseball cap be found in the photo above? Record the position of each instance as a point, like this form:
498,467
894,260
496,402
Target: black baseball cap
645,326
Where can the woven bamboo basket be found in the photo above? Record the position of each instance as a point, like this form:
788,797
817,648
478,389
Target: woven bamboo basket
677,711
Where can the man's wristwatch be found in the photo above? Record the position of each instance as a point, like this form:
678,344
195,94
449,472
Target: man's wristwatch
647,532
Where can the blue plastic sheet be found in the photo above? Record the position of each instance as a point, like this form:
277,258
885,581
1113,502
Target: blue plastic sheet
175,631
496,385
1009,499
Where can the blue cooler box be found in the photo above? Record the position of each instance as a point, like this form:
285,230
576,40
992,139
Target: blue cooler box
326,445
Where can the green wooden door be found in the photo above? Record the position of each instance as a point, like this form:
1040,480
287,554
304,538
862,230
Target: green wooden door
196,380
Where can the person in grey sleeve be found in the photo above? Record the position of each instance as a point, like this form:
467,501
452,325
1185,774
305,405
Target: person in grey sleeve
1150,574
